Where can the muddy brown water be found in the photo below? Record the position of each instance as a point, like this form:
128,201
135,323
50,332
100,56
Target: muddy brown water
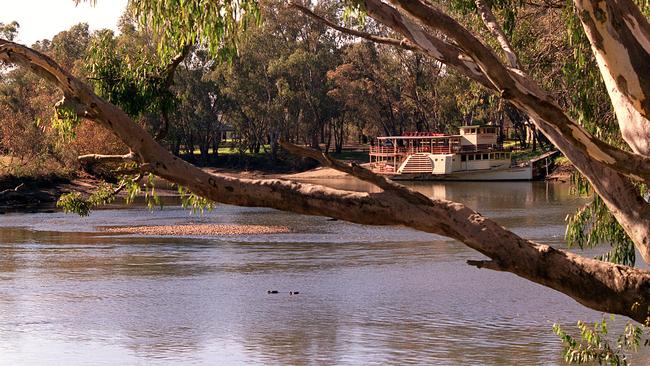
71,295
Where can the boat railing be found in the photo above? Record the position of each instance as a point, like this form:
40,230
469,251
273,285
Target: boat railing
410,150
424,134
436,149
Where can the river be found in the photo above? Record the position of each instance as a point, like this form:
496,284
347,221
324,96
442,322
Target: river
72,295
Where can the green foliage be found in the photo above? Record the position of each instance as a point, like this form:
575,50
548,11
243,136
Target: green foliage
197,203
133,189
354,12
508,10
151,198
214,24
9,31
127,75
64,122
74,202
131,185
594,344
594,224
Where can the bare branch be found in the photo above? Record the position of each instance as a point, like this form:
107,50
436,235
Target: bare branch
405,44
98,158
16,189
170,69
434,47
493,26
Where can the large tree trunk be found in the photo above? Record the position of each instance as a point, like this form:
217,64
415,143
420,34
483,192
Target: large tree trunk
598,285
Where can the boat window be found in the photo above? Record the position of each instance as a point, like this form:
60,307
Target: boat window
486,156
470,157
463,158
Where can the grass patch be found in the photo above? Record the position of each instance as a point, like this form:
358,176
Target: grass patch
524,155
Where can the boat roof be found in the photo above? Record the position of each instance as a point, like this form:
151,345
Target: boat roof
422,137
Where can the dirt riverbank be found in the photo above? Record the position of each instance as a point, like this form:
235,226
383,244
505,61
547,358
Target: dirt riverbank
41,193
32,194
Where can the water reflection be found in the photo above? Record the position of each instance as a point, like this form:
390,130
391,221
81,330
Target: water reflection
368,295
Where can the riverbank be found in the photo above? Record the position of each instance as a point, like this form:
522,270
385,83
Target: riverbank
28,194
562,171
40,193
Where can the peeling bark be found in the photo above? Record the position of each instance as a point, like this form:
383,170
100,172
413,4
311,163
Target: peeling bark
620,39
599,285
493,26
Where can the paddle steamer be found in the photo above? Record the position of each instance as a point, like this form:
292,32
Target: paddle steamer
474,154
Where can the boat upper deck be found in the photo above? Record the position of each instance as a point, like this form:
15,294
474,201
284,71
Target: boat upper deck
470,139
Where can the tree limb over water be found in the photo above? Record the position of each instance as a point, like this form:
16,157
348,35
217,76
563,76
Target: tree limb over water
599,285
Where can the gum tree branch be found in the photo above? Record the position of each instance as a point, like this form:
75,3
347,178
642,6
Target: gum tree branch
493,26
405,44
99,158
599,285
620,39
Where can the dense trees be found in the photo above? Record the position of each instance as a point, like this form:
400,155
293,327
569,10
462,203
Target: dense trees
617,33
291,78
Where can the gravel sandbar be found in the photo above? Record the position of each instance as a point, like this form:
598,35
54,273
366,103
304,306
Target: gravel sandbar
198,229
